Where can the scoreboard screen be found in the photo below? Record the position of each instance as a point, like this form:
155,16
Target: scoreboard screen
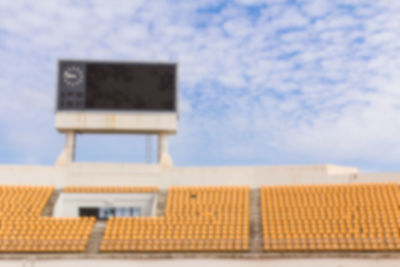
115,86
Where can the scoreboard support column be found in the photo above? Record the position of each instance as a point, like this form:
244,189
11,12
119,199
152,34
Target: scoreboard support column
164,159
68,154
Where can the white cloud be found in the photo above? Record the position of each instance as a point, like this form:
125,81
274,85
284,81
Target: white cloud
317,8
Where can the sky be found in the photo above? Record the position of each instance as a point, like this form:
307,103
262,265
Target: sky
270,82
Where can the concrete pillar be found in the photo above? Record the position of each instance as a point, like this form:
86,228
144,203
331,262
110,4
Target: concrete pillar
71,145
164,159
68,154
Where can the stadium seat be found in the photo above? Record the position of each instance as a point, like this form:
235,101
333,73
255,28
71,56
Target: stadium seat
24,230
353,217
23,201
196,219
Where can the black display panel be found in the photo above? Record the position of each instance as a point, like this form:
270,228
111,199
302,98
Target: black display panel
116,86
104,213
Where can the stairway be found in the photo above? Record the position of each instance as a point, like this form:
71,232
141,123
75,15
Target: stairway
161,202
256,231
96,237
48,209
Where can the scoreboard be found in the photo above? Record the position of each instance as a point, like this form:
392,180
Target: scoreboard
116,97
116,86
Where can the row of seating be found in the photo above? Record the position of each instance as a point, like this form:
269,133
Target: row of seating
356,217
168,222
174,232
331,244
111,189
174,245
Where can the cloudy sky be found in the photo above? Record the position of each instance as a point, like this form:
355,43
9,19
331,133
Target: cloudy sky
260,82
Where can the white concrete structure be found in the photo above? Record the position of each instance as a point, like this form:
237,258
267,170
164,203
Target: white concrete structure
72,122
112,122
68,204
155,175
284,262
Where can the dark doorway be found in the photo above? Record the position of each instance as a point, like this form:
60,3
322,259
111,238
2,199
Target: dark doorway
94,212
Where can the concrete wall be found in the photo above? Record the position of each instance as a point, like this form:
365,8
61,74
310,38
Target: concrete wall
116,122
68,204
209,263
135,174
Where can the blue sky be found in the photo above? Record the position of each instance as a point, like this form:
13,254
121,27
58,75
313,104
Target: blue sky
261,82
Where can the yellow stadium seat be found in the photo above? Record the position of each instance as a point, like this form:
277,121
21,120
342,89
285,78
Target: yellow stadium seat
193,216
353,217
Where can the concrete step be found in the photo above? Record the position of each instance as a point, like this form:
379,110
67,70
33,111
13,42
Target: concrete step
96,237
161,202
48,209
256,234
